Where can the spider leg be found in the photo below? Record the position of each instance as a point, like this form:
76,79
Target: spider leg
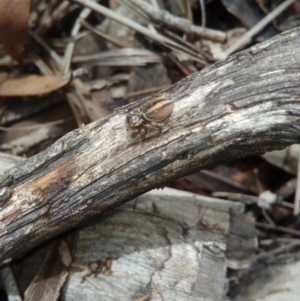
157,125
143,133
135,132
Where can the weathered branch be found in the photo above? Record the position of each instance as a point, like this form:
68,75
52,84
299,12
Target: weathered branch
246,105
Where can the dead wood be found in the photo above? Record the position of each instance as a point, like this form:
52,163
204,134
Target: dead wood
245,105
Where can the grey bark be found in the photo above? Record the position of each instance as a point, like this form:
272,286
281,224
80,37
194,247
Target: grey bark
245,105
173,247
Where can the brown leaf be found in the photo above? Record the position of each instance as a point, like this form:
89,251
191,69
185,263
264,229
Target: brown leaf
14,16
32,85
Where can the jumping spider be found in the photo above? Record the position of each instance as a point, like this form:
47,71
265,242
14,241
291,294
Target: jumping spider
152,115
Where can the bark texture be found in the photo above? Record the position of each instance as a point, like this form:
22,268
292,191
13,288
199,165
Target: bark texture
165,245
245,105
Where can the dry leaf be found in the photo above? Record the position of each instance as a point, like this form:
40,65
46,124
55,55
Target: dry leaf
14,16
32,85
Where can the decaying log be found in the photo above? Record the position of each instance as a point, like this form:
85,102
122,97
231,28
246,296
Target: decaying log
245,105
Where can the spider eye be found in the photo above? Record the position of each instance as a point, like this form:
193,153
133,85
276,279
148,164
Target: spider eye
133,119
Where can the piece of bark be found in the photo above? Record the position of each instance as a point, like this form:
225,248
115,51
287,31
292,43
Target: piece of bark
245,105
164,245
242,242
47,284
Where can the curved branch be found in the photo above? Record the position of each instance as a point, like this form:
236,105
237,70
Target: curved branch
246,105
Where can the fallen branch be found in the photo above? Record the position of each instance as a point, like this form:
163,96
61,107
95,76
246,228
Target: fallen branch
246,105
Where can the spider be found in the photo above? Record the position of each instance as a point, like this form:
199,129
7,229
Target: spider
153,114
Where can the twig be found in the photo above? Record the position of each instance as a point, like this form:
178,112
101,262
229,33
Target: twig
277,240
297,196
180,66
103,35
120,57
56,58
268,217
42,65
184,42
248,199
167,19
278,228
283,249
70,47
203,14
246,38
